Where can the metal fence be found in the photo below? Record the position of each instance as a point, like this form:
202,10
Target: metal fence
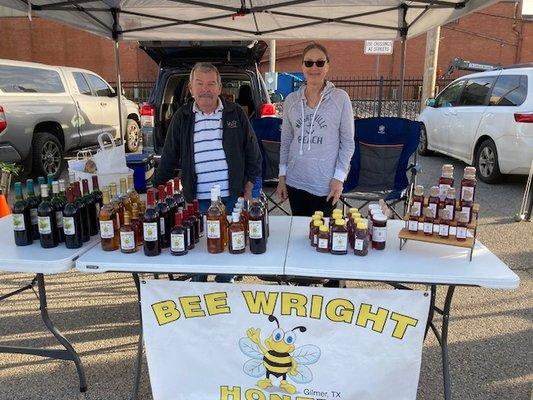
138,92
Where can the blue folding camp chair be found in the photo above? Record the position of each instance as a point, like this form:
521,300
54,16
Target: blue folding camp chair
380,164
268,132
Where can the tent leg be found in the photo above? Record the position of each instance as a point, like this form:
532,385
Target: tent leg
403,32
119,90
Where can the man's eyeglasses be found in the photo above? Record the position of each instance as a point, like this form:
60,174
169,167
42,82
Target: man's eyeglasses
319,63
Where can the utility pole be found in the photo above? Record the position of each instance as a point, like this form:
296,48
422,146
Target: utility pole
430,65
272,61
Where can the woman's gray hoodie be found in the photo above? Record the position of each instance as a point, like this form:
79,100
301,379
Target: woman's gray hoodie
321,148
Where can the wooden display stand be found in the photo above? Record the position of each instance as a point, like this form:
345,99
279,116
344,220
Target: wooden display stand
451,240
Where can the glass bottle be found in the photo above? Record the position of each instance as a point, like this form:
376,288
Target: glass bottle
71,177
72,223
418,200
132,193
21,218
189,229
311,226
178,236
236,240
444,225
339,237
215,225
33,203
352,210
137,225
321,215
62,190
114,201
256,228
433,201
351,226
109,228
414,217
445,181
178,195
40,181
90,204
467,201
171,201
151,228
264,201
49,180
245,215
462,226
127,235
142,210
124,198
323,245
47,220
429,220
58,204
361,240
379,231
468,183
97,194
316,228
198,215
165,218
449,203
84,213
336,214
195,222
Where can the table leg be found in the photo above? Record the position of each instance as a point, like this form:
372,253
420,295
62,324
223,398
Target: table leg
444,343
68,354
138,359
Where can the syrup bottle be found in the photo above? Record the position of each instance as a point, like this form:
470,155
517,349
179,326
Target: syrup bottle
418,200
339,237
361,240
412,224
449,203
109,228
215,225
467,201
137,225
428,222
444,224
257,228
433,201
445,181
236,240
468,183
323,243
316,228
311,225
178,236
462,226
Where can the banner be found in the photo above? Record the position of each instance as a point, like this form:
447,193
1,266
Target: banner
213,341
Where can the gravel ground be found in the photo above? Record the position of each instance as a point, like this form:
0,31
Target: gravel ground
490,339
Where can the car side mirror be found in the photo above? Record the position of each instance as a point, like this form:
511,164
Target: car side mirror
430,102
276,98
112,93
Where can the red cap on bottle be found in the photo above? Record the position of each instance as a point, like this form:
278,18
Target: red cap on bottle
176,184
161,190
85,184
77,189
196,205
95,182
178,218
70,195
150,197
170,191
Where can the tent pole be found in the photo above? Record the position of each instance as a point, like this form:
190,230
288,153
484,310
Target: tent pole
115,13
403,33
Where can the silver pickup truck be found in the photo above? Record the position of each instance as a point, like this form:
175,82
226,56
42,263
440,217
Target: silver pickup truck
48,110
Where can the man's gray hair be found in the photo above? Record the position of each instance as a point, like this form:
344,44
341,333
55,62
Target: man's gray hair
205,67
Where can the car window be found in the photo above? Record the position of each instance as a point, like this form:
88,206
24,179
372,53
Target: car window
99,86
509,90
450,95
476,91
82,84
15,79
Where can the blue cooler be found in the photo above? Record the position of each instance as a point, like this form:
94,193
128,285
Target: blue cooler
143,169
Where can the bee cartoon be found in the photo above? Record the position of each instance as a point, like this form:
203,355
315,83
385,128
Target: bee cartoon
278,357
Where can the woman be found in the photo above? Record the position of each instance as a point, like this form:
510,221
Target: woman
317,139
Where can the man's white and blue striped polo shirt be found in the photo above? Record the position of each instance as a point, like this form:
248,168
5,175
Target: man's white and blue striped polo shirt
209,157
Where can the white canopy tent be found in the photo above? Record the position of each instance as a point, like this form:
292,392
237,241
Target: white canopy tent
169,20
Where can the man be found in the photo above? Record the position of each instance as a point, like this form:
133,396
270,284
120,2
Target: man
213,142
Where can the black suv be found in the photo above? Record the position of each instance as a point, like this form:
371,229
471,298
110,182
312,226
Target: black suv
237,62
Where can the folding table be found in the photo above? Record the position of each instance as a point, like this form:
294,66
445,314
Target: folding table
34,259
418,262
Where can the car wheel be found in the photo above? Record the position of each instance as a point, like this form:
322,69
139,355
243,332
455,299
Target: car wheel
133,136
487,162
47,155
423,142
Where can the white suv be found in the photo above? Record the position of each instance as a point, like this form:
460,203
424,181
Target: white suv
484,119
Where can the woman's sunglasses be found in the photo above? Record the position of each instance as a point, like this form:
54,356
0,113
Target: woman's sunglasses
319,63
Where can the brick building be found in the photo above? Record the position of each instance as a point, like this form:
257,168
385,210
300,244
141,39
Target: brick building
494,35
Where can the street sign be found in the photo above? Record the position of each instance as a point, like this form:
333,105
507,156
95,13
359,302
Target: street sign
378,46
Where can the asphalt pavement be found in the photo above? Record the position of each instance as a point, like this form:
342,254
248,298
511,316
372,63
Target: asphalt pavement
490,338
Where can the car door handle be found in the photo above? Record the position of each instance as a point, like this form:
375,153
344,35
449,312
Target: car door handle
103,103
